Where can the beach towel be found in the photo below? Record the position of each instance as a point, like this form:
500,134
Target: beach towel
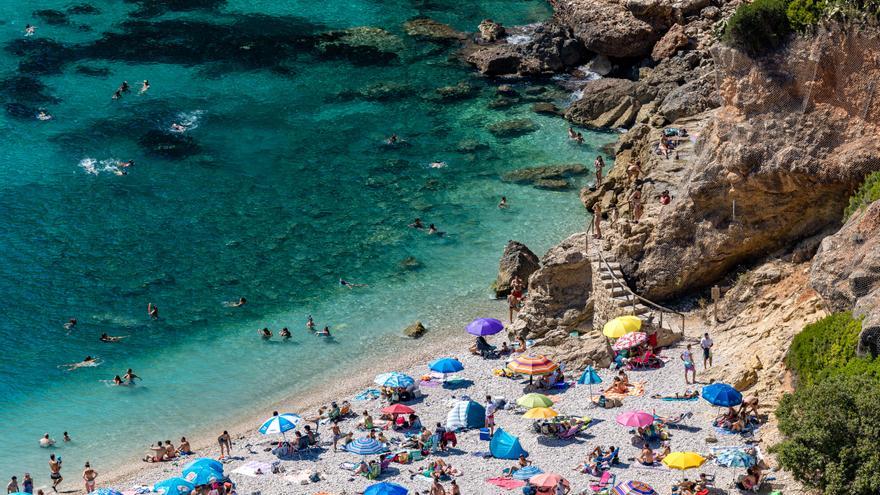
506,483
368,394
429,384
747,431
680,399
636,389
250,469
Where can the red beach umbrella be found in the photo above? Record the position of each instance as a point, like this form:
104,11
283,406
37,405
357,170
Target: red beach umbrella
398,409
547,480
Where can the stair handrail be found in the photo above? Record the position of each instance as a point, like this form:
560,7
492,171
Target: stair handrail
631,295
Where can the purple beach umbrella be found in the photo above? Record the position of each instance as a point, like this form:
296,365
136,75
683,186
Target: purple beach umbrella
484,326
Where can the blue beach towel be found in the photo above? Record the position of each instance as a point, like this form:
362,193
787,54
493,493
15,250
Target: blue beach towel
368,394
674,399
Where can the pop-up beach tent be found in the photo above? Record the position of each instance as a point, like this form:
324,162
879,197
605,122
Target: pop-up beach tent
505,446
466,414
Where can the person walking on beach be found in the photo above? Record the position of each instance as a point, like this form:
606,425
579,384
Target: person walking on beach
599,164
225,442
490,414
706,343
12,487
55,472
688,359
89,476
512,305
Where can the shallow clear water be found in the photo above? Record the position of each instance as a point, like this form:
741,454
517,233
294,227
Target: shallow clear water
280,186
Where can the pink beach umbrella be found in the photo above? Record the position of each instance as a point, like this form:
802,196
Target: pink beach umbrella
635,419
630,340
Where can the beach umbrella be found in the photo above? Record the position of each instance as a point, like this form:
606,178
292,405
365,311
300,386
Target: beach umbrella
174,486
532,365
106,491
635,419
202,475
526,473
548,480
280,424
484,326
385,488
398,409
205,461
721,395
394,379
621,326
446,365
590,377
735,458
531,401
540,413
365,446
630,340
633,488
684,460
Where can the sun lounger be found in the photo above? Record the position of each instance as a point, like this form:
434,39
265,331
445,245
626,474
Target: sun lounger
604,483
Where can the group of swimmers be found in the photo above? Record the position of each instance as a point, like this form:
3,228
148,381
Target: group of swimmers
285,334
125,88
575,136
432,229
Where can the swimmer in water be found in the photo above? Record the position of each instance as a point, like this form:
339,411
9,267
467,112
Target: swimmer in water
572,134
88,361
130,377
119,172
310,324
124,87
241,302
285,333
393,139
29,30
153,311
266,334
175,127
350,285
325,332
109,338
417,224
127,164
118,380
579,138
117,94
432,230
43,116
145,86
503,203
71,324
437,164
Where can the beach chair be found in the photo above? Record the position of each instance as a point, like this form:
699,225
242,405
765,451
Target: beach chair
609,460
374,472
572,432
603,484
673,421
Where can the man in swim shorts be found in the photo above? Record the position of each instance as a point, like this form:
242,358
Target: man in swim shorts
55,471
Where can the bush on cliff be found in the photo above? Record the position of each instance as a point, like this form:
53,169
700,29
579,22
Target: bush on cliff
759,26
867,194
824,346
831,430
805,13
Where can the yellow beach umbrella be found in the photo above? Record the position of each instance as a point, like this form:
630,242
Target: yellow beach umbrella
540,413
684,460
530,401
621,326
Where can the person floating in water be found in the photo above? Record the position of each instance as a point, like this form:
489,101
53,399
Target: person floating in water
153,311
393,140
579,138
124,87
43,116
350,285
310,324
175,127
285,333
432,230
117,94
241,302
29,30
118,380
88,361
130,377
572,134
266,334
503,203
71,324
417,224
325,332
145,86
127,164
109,338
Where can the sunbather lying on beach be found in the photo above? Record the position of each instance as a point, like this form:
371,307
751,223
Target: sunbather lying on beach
617,386
688,394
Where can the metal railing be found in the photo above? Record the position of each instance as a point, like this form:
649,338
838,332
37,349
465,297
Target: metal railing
631,297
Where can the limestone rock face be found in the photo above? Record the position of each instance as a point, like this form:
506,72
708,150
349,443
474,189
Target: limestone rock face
689,99
615,28
609,102
578,352
559,292
415,330
534,50
674,40
517,261
846,272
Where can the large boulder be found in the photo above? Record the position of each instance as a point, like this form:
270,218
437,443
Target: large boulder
546,176
516,261
428,29
619,29
512,127
609,103
846,273
674,40
559,293
533,50
491,31
690,99
415,330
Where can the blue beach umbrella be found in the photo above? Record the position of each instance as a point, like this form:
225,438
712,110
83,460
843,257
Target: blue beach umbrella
385,488
394,379
365,446
202,475
174,486
735,458
205,461
280,424
590,377
526,473
485,326
722,395
446,365
106,491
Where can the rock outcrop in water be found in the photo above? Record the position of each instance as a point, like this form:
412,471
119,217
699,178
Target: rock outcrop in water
428,29
546,176
528,51
516,261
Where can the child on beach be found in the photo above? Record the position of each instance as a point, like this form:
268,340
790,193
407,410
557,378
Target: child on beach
688,359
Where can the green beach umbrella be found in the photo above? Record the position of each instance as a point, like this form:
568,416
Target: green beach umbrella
531,401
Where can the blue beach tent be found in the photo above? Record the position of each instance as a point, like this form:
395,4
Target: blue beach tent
466,414
505,446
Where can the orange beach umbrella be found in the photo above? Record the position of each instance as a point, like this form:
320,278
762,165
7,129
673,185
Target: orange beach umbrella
532,365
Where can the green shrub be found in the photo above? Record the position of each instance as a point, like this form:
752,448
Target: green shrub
805,13
821,347
760,26
867,194
831,430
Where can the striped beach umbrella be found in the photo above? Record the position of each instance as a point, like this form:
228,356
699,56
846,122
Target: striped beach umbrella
630,340
206,461
635,419
633,488
683,460
621,326
484,326
365,446
532,365
540,413
174,486
526,473
280,424
394,379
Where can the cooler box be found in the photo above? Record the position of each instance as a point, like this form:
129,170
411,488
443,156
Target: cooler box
484,434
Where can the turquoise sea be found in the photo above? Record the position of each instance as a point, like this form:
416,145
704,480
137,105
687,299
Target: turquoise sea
279,186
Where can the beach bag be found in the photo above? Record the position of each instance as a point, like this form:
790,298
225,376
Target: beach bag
601,401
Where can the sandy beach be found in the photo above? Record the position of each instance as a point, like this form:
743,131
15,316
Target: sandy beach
549,454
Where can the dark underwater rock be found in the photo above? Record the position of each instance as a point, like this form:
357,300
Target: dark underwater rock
168,145
83,9
51,17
